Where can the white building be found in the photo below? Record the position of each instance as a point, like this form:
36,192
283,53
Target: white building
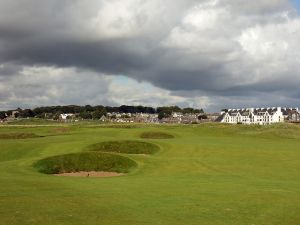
261,116
65,116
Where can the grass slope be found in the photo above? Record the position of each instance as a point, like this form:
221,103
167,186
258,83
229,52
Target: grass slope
209,174
86,161
156,135
128,147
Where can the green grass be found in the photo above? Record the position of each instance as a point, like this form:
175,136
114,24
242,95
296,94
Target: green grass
85,161
156,135
211,174
128,147
17,135
33,121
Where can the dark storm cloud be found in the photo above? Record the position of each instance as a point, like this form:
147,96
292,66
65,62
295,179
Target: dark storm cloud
56,34
205,48
106,56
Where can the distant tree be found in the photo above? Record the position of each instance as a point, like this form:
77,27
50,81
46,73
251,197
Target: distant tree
175,108
99,107
192,110
125,109
164,114
17,114
86,115
2,115
168,109
149,110
187,110
161,115
89,112
9,112
88,108
140,109
96,115
26,113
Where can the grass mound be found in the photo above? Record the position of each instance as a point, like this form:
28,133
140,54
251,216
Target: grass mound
18,135
85,161
156,135
129,147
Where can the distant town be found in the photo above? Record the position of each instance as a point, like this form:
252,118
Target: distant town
261,116
144,114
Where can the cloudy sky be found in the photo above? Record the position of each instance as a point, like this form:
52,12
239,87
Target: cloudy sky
209,54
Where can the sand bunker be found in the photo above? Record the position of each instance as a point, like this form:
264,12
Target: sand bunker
90,174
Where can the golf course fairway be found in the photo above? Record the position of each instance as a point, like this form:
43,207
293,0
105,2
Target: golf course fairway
209,174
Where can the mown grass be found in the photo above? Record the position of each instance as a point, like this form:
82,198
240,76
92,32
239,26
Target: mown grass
156,135
127,146
85,161
210,174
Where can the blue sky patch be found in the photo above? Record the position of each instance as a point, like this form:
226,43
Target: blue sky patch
296,3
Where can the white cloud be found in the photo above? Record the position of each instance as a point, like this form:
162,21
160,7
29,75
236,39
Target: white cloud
42,86
36,86
128,91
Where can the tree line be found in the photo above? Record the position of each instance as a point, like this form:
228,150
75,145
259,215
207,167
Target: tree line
93,112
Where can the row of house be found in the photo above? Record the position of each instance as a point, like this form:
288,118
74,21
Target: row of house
14,114
261,116
175,117
116,117
131,118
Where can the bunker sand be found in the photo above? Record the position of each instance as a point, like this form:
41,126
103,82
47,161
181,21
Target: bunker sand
90,174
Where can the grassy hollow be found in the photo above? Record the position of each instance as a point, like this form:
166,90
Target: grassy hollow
85,161
129,147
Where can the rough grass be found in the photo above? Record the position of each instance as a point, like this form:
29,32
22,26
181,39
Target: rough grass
156,135
86,161
18,135
129,147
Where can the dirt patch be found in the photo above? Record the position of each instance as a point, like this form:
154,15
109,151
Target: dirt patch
90,174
